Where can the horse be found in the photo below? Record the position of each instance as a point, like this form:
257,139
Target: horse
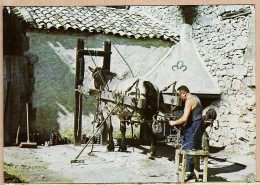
106,80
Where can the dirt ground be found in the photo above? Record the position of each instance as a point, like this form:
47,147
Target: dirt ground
52,164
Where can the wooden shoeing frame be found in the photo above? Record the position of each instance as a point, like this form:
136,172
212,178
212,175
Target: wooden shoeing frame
80,53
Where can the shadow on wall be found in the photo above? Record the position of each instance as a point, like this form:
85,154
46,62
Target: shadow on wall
53,96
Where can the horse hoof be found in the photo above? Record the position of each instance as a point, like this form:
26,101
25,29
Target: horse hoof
151,156
110,149
122,149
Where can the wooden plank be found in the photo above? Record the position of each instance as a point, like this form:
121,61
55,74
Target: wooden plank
15,96
196,160
8,115
205,174
183,170
94,52
195,152
177,164
24,94
77,119
94,92
107,58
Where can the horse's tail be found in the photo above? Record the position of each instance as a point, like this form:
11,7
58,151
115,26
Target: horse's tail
152,99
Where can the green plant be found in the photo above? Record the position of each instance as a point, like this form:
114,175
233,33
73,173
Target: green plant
250,177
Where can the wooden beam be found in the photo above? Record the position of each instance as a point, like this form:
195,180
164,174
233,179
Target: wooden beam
15,95
94,52
78,105
107,58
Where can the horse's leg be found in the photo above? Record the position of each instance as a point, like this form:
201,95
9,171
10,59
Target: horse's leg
153,140
122,147
110,146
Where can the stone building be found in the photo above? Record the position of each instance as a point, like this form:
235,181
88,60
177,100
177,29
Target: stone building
223,35
225,38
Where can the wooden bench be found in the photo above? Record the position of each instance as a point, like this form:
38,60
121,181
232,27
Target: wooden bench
197,155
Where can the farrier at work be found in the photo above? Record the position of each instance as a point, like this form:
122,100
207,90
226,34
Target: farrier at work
193,126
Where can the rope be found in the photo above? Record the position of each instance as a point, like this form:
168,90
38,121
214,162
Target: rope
92,146
91,57
99,128
96,67
95,119
123,60
80,106
162,59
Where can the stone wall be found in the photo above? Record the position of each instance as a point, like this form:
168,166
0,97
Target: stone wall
225,39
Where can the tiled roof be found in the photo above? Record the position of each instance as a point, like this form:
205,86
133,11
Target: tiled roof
95,19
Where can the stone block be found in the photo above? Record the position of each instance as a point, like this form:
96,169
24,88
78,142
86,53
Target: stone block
240,133
248,119
236,84
233,124
231,133
230,72
250,81
221,110
232,99
239,70
251,136
228,83
240,77
221,83
238,60
235,110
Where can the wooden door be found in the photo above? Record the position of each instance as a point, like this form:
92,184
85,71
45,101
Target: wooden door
15,76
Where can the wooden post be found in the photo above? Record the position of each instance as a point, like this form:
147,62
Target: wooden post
79,81
205,174
106,65
196,160
78,104
107,58
183,170
177,164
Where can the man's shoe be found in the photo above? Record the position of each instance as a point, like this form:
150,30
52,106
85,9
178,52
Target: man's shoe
189,176
151,156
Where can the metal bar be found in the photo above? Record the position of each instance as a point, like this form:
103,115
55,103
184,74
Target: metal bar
124,61
96,130
149,121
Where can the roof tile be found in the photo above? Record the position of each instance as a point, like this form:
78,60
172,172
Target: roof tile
95,19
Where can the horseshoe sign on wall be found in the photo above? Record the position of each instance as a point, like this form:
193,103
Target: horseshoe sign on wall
180,65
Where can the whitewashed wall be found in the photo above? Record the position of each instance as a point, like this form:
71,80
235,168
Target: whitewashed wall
54,73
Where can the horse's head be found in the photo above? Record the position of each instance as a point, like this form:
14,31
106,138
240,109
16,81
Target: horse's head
101,77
